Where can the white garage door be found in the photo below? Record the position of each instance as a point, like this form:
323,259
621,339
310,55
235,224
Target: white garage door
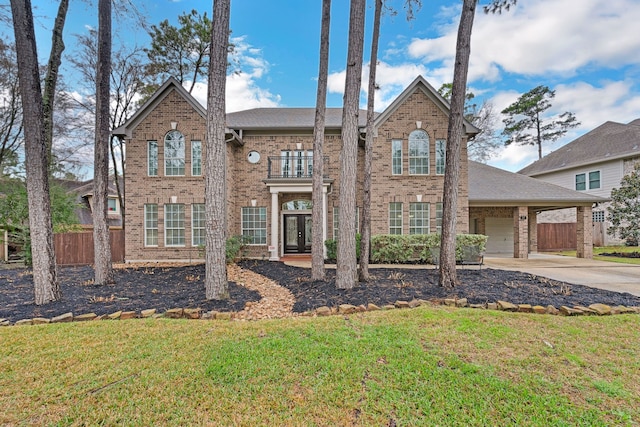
500,232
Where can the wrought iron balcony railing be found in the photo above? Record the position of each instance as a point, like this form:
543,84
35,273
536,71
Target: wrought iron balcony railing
293,166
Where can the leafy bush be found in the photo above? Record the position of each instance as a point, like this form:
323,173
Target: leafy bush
332,247
234,246
387,248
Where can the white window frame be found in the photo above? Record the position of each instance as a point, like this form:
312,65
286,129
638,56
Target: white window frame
115,205
174,225
196,158
152,160
254,219
419,219
150,224
395,215
396,157
441,156
419,152
198,227
170,158
439,218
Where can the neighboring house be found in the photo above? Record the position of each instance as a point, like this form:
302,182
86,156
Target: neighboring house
83,191
592,164
269,164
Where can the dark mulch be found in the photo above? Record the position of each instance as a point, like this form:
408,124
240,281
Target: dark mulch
393,284
136,289
163,288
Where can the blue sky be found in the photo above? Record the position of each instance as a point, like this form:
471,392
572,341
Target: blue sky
587,51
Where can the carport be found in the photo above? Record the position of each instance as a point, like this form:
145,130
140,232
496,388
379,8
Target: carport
504,206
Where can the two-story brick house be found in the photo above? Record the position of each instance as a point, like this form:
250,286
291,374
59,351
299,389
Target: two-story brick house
269,164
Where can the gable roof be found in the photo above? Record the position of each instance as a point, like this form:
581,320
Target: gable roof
422,84
167,87
608,141
287,118
497,187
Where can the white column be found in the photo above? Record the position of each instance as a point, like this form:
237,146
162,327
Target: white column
275,221
324,220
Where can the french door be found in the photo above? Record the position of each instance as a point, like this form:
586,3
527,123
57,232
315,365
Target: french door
297,233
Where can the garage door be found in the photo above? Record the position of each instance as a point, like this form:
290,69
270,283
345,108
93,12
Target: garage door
500,232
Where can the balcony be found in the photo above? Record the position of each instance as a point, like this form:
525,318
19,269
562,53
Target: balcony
293,167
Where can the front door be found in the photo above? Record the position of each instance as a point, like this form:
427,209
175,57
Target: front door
297,233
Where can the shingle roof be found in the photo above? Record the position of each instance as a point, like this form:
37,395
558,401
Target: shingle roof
488,184
287,118
610,140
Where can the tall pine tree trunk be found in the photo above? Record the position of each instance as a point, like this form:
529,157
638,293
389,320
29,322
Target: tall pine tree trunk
448,276
365,242
317,244
346,268
216,285
51,78
101,244
45,278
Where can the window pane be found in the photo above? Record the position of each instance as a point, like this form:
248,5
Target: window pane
396,157
419,218
440,156
112,205
174,225
152,158
151,225
197,224
395,218
254,225
580,182
196,158
594,180
418,153
174,154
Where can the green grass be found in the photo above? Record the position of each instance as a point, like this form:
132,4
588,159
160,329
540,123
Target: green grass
608,249
426,366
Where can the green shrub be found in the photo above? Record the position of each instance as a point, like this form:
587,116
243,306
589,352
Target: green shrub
332,247
392,248
233,248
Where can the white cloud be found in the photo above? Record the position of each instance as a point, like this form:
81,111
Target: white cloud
542,36
243,89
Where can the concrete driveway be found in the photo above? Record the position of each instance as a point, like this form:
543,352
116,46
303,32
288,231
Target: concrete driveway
597,274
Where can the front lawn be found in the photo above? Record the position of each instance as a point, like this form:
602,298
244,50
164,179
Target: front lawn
597,251
425,366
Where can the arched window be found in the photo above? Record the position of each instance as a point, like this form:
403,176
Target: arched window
418,153
174,153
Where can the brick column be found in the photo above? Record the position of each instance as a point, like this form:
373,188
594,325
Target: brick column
520,232
533,231
584,232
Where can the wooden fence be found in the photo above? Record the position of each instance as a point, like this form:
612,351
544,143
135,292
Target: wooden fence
77,248
557,236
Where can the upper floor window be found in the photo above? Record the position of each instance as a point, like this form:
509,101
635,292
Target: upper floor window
441,152
152,158
196,158
589,181
594,180
174,152
298,163
418,153
396,157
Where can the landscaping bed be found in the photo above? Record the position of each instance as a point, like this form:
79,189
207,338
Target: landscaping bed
166,287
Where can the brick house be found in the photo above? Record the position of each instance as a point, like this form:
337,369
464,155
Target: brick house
269,164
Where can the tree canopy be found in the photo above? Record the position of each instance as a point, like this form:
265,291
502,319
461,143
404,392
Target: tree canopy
624,211
526,125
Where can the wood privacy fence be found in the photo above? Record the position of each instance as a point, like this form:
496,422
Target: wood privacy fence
77,248
557,236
